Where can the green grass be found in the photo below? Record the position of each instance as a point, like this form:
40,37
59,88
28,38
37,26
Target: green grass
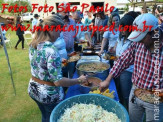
19,108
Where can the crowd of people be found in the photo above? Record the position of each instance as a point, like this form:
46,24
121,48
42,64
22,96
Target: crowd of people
132,69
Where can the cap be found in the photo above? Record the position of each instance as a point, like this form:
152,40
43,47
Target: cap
149,19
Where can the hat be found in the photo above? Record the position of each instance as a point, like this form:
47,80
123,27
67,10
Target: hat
36,15
150,20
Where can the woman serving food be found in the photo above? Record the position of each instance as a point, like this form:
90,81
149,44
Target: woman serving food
45,86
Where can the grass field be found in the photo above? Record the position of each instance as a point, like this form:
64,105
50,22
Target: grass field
19,108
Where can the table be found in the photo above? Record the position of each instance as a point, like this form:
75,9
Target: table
78,89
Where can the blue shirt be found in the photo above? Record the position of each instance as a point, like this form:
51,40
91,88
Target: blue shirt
111,38
61,46
122,47
81,34
34,22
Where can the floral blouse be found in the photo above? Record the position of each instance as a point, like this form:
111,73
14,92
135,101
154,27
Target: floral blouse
46,65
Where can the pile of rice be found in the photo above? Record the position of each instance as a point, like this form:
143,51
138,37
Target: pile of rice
88,113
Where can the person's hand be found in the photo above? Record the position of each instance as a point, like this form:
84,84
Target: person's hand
83,79
82,41
101,51
156,11
112,50
103,86
64,60
72,54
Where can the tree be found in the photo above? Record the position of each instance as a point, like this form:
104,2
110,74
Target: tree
1,2
22,3
126,7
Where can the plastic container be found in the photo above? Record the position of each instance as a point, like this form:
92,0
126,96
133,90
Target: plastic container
105,102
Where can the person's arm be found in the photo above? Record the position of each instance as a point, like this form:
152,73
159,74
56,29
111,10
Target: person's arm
159,16
88,37
105,84
114,48
104,42
123,62
66,82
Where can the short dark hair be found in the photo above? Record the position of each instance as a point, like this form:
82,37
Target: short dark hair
18,19
127,19
53,12
133,14
36,15
138,12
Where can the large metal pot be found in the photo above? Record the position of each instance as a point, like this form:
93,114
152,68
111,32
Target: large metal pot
102,75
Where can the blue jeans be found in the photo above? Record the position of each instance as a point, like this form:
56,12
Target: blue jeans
71,69
70,66
65,74
124,87
46,110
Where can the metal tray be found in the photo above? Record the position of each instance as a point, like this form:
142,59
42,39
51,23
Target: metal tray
90,58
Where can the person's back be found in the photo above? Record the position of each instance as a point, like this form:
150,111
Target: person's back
42,58
61,46
19,27
69,36
147,75
35,20
45,86
4,36
19,32
39,57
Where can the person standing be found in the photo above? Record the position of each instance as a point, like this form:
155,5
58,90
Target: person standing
82,36
123,82
100,20
88,20
45,86
34,21
110,38
68,37
19,32
4,34
160,18
142,54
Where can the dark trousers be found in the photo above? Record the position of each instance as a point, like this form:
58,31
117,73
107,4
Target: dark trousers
46,110
21,38
123,85
65,74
